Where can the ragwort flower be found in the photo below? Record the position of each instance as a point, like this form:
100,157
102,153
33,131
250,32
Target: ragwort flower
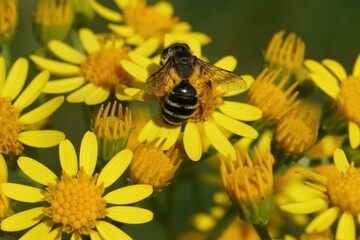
206,119
75,203
339,198
92,76
13,101
5,203
331,77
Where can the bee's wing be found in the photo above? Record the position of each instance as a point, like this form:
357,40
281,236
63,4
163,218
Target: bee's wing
157,81
226,80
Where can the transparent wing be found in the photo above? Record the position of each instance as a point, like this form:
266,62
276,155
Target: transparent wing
226,80
156,83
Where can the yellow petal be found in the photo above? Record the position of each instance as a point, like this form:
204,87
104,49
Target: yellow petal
23,193
80,94
122,30
56,67
130,215
2,72
76,236
241,111
89,40
55,234
88,152
228,63
354,134
156,127
3,169
341,161
32,91
22,220
39,232
94,235
68,158
64,85
336,68
235,126
111,232
135,40
115,168
106,13
135,70
192,141
43,111
356,69
148,47
37,171
218,140
99,95
124,3
309,174
164,8
41,138
129,194
346,227
143,61
123,97
182,27
323,221
305,207
66,53
331,90
16,79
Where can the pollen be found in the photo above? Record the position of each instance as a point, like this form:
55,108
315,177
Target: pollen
348,99
151,165
297,131
344,192
148,21
245,181
272,99
103,68
76,202
9,128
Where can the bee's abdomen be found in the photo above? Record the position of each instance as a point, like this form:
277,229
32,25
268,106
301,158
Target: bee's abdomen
180,104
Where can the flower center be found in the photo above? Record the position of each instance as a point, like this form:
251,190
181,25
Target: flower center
349,99
9,128
270,98
103,68
76,202
148,21
150,165
343,190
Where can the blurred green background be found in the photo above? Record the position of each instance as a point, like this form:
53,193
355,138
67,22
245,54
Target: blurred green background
330,29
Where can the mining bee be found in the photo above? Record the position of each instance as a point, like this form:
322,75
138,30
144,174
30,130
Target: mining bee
182,67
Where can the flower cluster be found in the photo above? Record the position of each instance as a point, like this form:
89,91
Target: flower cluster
271,147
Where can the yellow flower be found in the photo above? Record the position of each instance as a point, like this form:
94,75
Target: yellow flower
95,75
53,20
13,122
331,77
325,147
206,118
142,22
5,207
75,203
339,199
8,20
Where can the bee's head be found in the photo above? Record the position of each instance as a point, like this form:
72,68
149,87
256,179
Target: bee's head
172,50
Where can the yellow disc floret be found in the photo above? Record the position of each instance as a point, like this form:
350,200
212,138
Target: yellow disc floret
76,202
348,99
9,128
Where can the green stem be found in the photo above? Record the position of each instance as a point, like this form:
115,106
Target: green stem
262,231
6,53
222,224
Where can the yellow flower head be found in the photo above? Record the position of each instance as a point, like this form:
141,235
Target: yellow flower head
271,98
339,198
75,203
5,203
249,184
92,76
53,20
142,21
331,77
298,129
8,20
152,166
13,123
112,129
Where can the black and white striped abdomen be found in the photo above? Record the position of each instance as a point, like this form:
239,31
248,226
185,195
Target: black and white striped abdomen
180,104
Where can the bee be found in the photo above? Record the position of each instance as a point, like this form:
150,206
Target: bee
180,65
